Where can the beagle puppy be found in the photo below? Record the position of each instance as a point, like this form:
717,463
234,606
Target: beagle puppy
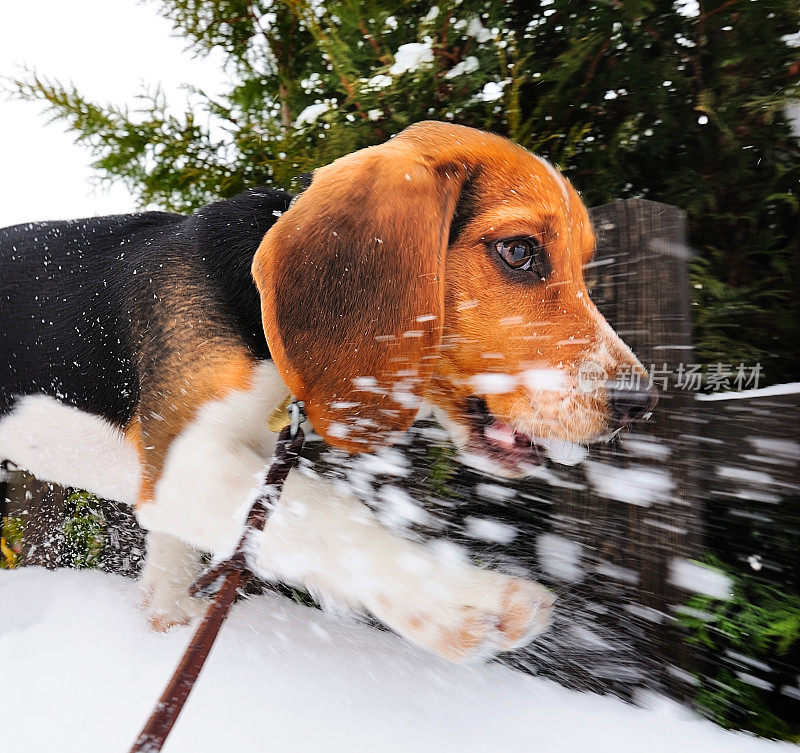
142,355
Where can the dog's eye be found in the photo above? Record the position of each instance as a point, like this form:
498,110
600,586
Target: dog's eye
521,253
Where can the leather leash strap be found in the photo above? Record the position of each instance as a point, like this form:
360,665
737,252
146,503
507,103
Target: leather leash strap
222,582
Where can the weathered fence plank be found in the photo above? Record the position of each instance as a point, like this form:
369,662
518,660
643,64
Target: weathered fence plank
751,481
751,487
644,294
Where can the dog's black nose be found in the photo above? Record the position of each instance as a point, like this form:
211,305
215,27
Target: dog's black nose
629,404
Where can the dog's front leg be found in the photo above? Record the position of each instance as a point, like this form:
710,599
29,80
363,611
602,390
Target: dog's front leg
198,506
196,481
322,538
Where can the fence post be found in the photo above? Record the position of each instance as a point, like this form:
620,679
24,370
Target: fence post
633,507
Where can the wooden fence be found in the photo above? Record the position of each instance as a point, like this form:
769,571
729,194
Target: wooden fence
613,536
634,507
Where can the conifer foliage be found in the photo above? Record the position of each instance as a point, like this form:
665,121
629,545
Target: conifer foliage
682,102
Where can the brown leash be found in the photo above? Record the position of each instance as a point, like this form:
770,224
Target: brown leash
222,582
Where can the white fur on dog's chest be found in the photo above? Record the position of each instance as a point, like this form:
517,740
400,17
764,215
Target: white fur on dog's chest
212,464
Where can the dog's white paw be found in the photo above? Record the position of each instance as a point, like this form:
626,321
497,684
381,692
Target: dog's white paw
477,617
166,607
170,569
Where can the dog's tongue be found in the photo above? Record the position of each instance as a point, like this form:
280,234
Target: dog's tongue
505,437
501,434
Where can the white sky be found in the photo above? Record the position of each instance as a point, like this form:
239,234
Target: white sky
111,50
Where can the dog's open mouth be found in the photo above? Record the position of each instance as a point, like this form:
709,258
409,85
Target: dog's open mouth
498,441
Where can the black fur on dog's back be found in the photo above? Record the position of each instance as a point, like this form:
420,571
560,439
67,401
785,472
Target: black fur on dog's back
80,299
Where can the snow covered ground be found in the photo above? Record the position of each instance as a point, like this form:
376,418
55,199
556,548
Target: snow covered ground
81,672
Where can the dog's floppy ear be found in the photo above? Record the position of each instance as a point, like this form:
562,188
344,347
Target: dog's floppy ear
352,289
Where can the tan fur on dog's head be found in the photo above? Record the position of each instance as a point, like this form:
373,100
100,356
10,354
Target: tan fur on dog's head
382,287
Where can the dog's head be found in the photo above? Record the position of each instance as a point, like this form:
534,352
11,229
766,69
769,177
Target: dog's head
444,267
